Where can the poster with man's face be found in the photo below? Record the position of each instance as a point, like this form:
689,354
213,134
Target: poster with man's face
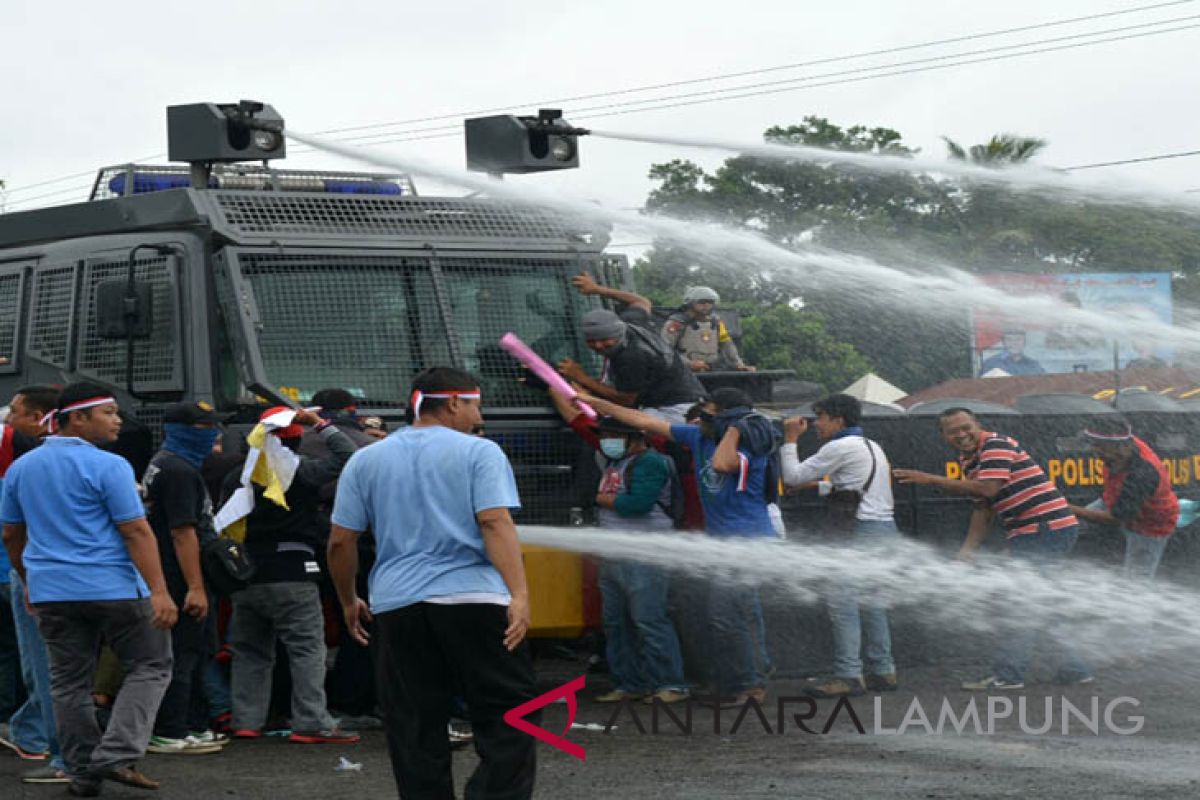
1011,343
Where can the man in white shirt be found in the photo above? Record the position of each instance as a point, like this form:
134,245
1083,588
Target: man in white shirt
851,463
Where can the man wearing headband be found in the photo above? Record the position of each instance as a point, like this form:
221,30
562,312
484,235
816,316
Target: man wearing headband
77,534
1137,496
645,372
447,594
31,727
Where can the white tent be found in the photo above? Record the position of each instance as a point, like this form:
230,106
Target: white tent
871,388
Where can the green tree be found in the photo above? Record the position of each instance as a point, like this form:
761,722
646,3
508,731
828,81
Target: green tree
909,221
783,337
1002,149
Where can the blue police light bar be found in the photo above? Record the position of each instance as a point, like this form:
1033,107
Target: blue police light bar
147,182
144,183
362,187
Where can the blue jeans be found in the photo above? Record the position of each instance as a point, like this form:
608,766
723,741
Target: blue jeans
37,714
852,615
731,638
1143,554
763,666
1045,552
643,648
33,725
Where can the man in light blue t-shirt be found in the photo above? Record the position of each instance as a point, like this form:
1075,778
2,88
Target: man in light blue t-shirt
448,596
77,535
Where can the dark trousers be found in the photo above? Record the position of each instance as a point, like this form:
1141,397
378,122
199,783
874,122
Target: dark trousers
73,631
189,646
426,654
12,688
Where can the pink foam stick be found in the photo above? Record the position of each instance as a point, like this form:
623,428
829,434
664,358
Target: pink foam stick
521,352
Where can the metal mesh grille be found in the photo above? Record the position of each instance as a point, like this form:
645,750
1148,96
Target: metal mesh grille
115,181
156,361
264,213
10,307
531,298
363,323
50,326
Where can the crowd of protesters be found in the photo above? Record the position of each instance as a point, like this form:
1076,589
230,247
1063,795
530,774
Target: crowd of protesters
201,592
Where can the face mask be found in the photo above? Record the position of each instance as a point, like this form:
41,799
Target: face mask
190,444
613,448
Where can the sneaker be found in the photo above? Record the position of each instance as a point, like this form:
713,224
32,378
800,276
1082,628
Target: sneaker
331,736
460,733
1074,679
187,746
210,737
6,740
617,695
991,682
667,696
45,775
837,687
882,683
247,733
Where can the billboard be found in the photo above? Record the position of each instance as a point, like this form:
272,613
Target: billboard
1018,344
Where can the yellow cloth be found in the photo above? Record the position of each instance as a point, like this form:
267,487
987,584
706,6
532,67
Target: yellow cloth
263,475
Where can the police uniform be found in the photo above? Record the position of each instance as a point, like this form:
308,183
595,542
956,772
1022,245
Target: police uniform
705,340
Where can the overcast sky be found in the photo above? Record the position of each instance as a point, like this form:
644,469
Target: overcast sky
86,85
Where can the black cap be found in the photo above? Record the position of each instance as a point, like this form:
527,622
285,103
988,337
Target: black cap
192,413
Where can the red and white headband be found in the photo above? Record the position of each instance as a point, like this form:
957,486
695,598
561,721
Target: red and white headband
51,419
1109,437
419,397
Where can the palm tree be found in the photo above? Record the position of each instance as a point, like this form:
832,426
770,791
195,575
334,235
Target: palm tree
1001,150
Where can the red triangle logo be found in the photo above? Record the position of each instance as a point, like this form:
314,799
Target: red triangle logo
516,717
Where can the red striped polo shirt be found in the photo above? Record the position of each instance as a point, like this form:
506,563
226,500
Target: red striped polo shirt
1027,498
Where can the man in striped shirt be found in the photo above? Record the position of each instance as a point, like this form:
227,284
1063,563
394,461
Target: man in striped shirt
1007,483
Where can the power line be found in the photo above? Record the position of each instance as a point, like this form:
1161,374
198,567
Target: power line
89,173
1143,159
686,82
736,93
578,112
775,87
765,70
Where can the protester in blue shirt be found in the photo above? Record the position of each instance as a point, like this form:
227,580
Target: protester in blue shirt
447,592
77,535
733,449
31,727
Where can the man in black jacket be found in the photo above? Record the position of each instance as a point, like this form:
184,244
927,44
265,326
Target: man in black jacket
283,599
351,682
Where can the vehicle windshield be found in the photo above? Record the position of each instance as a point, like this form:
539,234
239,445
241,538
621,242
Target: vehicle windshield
369,323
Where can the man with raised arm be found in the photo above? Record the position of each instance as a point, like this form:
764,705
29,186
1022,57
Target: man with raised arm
642,370
1005,481
732,449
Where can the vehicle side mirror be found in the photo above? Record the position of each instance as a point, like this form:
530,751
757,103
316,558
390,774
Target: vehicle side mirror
121,314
